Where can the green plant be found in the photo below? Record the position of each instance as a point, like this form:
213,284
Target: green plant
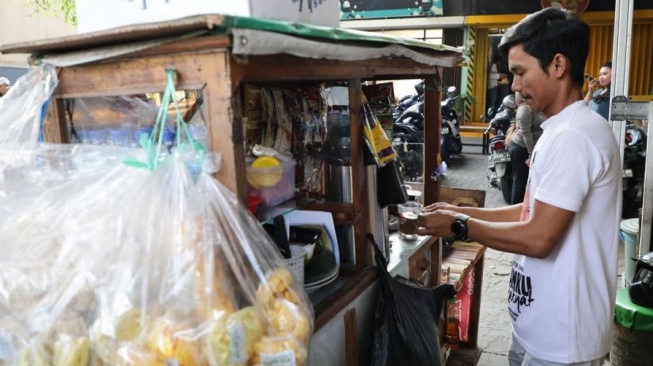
459,104
65,8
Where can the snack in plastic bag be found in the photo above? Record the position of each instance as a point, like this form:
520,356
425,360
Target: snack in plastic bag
233,337
128,266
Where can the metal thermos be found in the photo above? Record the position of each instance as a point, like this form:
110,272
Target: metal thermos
339,189
377,217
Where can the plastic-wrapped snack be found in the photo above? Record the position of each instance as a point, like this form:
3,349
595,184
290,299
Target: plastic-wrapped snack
287,350
232,338
71,351
35,355
169,341
131,355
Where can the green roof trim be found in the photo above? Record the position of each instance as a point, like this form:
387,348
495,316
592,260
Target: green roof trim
328,33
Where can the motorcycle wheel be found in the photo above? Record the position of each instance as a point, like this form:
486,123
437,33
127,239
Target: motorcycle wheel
456,146
506,188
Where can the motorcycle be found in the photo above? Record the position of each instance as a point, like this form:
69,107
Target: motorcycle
633,169
450,142
409,155
500,173
410,108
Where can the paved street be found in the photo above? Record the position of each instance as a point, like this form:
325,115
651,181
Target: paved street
469,171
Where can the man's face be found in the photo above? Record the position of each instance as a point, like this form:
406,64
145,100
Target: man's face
4,88
530,80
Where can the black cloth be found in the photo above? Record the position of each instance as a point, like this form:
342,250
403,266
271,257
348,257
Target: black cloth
518,157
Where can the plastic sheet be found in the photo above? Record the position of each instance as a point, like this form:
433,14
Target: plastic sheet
107,264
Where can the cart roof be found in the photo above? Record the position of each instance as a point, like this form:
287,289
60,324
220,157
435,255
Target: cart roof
228,25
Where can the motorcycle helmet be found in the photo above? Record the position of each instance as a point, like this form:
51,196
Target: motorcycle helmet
641,286
509,102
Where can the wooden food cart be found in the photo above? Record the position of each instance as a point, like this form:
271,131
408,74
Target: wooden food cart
219,55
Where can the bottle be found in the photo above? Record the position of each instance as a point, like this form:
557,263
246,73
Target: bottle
453,320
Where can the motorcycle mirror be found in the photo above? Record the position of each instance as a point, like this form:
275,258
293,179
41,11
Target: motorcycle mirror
451,89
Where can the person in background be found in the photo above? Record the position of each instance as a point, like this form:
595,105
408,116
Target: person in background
5,84
527,130
493,78
598,99
563,283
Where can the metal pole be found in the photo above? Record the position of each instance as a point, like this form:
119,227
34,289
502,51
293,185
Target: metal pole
622,110
647,192
623,26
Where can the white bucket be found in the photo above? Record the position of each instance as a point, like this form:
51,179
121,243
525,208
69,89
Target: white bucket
629,232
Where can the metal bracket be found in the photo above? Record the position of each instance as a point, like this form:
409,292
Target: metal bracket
623,109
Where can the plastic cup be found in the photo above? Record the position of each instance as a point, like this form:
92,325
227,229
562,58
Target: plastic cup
408,213
629,230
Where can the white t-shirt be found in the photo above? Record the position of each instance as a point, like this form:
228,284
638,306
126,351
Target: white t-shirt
562,306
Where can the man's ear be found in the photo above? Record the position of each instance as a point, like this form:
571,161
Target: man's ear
559,65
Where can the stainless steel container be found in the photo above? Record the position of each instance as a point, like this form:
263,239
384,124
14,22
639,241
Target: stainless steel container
339,189
338,182
377,217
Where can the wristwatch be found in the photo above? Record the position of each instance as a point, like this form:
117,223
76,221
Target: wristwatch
459,226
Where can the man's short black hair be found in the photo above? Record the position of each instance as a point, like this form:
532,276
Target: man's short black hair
547,32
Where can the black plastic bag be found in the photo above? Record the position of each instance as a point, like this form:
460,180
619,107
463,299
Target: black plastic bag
390,185
406,320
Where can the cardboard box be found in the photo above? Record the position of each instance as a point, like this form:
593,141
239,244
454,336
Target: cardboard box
97,15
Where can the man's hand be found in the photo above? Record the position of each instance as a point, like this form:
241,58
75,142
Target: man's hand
439,206
436,222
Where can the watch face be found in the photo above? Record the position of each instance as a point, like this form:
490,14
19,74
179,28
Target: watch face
458,228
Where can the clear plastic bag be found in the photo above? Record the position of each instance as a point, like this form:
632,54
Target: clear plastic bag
108,264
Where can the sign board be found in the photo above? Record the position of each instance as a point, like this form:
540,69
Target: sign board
374,9
464,304
97,15
573,6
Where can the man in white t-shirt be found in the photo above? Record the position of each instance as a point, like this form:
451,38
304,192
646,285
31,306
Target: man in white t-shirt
565,233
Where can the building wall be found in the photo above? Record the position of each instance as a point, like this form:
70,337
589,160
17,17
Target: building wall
19,24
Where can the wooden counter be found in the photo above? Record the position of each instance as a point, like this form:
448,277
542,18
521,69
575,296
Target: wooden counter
459,261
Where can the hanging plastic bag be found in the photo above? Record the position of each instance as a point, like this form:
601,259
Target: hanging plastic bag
406,319
375,136
152,266
390,186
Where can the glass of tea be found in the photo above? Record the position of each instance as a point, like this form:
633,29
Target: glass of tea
408,213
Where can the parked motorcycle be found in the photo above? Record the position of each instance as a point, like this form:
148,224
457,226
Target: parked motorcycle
410,108
500,173
450,142
409,119
409,155
633,169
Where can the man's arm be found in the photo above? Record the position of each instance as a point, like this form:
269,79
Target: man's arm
500,214
536,237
